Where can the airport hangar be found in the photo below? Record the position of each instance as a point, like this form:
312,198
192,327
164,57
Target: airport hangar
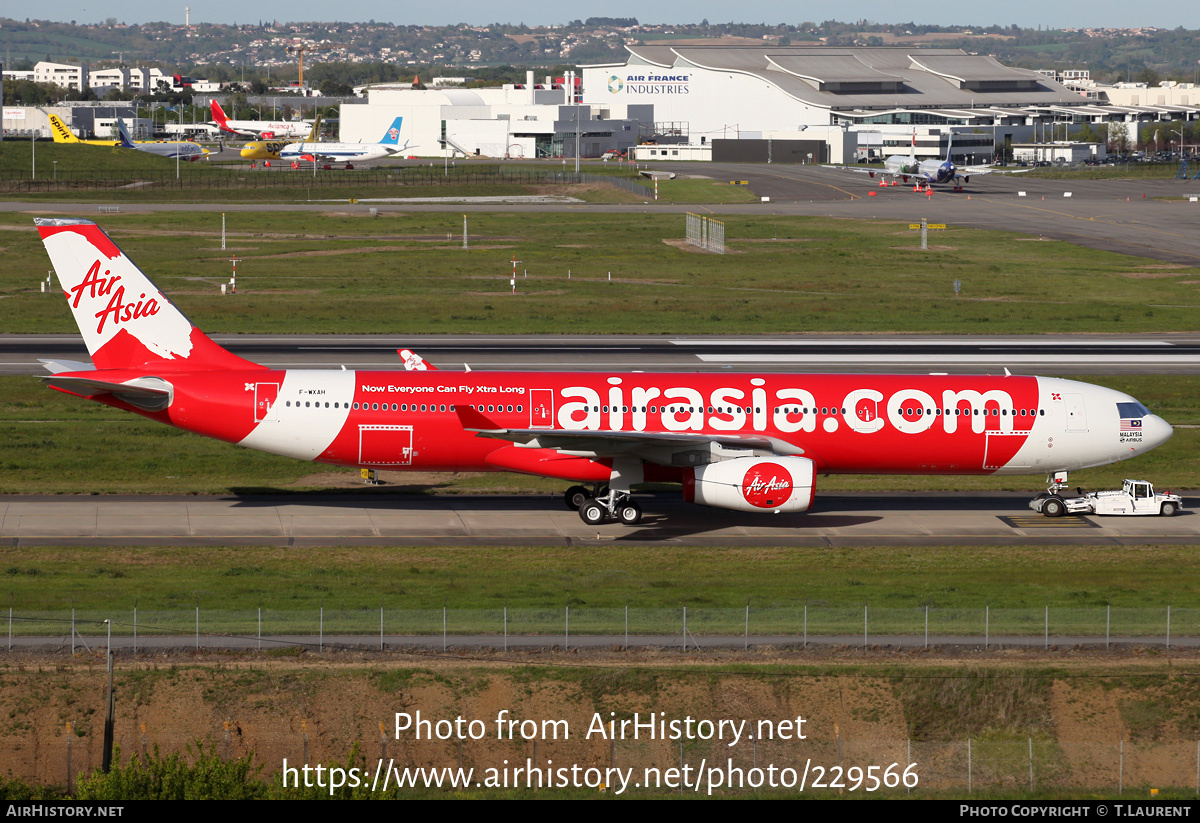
516,120
789,104
760,103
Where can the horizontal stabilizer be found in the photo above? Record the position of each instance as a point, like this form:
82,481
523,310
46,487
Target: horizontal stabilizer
148,393
60,366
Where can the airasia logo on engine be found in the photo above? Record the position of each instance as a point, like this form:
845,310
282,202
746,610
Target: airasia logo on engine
767,485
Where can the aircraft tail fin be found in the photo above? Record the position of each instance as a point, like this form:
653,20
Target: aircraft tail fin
60,131
126,322
391,137
949,145
314,134
218,115
126,142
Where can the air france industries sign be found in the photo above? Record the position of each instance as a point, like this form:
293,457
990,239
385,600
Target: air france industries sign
650,84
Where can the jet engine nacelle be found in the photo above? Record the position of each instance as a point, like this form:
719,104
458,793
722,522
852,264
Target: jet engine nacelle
753,484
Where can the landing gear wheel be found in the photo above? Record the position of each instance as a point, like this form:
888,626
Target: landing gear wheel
1168,509
1054,507
593,512
630,512
575,497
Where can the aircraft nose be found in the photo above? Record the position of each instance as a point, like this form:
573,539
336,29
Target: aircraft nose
1155,432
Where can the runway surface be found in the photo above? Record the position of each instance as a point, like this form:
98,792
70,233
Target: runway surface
374,518
1068,354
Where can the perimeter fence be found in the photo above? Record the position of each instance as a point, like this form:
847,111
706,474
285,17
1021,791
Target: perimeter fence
637,626
304,178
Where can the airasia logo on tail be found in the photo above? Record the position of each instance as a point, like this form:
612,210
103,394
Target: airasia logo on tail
767,485
118,309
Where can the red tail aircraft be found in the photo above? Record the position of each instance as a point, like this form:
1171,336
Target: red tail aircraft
750,442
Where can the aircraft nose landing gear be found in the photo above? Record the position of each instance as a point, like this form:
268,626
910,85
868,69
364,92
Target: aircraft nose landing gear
1050,502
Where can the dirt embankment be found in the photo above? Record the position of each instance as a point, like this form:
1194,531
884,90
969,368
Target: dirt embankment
858,709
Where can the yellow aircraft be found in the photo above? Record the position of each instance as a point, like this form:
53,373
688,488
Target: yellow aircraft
64,135
269,149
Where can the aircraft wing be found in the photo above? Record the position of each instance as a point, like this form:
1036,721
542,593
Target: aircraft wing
871,170
971,171
322,157
655,446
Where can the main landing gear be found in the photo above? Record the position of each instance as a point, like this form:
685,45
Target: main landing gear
601,504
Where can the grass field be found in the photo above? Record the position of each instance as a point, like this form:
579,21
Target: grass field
406,272
834,582
1124,171
43,433
106,174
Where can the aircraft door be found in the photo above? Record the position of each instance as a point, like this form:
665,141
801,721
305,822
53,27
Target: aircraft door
385,445
867,411
264,399
1076,412
541,408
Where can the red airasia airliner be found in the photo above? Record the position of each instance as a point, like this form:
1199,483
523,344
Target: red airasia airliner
750,442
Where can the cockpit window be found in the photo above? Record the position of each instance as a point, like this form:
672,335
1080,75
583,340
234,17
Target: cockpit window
1132,411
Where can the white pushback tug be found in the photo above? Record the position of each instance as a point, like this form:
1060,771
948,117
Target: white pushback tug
1134,497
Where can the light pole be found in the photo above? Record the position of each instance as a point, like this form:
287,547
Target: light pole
179,148
577,115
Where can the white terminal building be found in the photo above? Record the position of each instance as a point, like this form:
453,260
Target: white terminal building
831,104
515,121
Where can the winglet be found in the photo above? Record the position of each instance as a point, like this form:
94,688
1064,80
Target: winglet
473,421
414,361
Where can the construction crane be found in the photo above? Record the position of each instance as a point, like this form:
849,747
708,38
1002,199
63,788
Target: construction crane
299,50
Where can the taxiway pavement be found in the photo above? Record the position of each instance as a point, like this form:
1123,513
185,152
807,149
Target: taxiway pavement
379,517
